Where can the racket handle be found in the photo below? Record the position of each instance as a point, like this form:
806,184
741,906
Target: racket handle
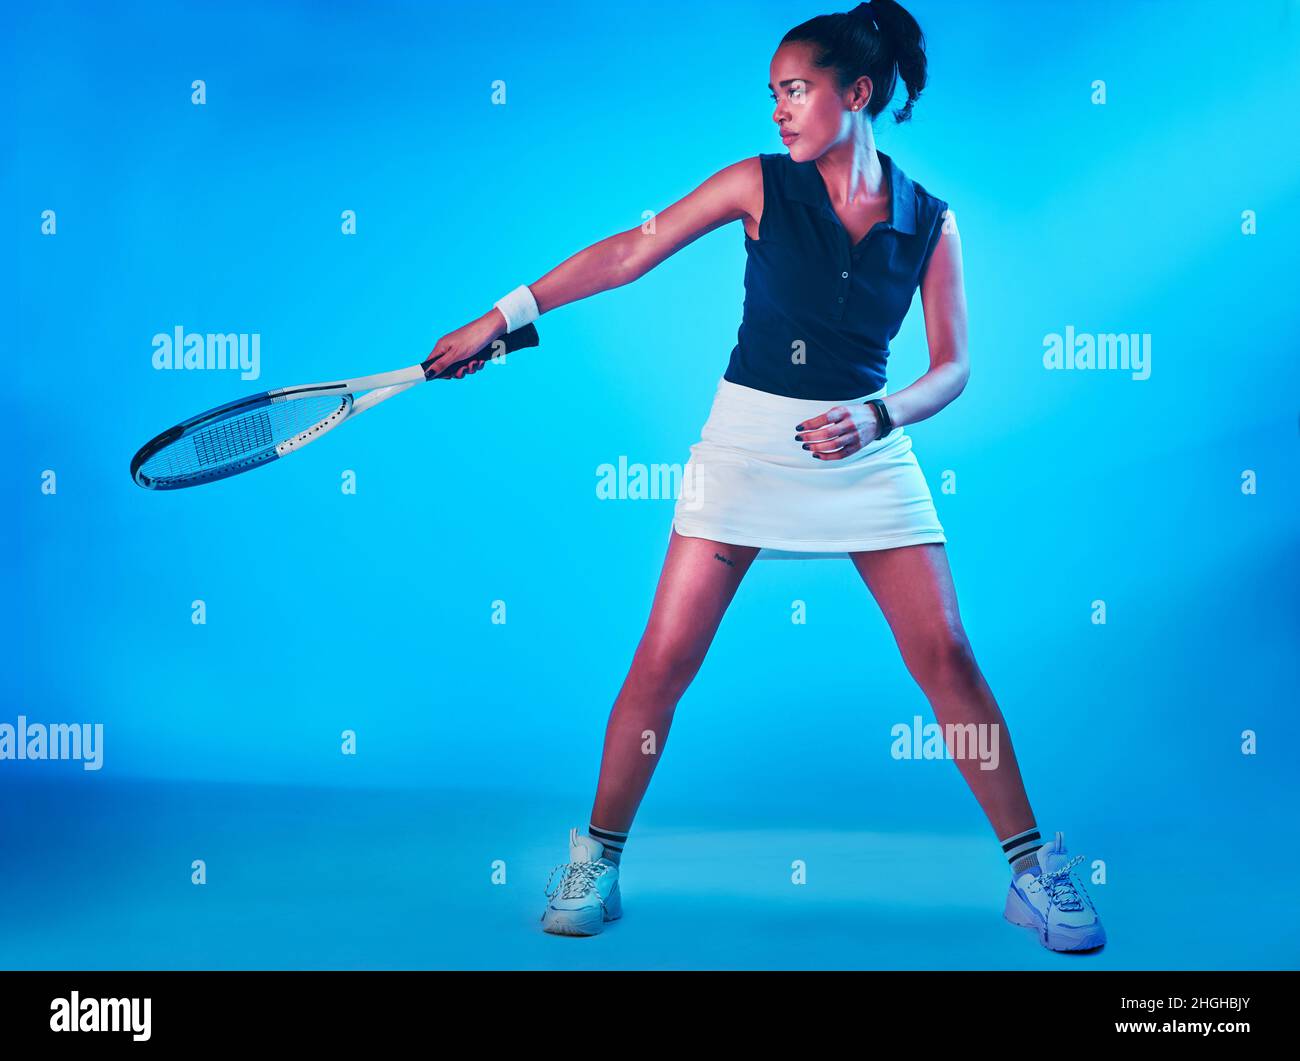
516,340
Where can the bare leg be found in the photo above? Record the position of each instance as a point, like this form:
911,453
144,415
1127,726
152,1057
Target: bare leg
697,583
913,586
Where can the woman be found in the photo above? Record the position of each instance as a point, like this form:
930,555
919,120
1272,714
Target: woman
802,452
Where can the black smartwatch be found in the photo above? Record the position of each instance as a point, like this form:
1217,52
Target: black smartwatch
884,425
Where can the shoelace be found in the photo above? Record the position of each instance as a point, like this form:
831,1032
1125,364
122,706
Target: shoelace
578,879
1059,886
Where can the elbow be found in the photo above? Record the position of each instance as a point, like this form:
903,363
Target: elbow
963,377
629,258
959,374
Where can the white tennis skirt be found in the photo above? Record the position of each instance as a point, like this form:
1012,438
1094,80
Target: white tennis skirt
750,482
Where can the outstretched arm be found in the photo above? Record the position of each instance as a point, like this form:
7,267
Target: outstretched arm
728,195
627,256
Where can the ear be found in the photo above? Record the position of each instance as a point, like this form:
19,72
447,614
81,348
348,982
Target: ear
862,92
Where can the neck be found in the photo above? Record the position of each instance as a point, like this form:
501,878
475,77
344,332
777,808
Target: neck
852,169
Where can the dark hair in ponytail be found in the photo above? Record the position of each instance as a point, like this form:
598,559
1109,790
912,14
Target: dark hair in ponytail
878,39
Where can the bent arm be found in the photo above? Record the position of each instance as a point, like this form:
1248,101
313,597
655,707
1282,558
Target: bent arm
627,256
943,297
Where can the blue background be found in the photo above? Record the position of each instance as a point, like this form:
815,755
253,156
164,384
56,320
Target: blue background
479,741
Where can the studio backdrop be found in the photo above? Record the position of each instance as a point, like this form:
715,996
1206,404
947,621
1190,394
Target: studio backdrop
343,711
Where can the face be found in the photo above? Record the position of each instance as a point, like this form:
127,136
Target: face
812,115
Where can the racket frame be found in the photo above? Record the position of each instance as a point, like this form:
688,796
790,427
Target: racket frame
378,388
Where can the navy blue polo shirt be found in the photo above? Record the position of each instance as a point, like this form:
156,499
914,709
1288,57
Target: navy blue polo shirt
805,284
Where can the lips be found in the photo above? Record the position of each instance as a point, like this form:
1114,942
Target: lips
787,137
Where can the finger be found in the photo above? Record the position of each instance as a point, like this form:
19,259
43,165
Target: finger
447,364
440,359
852,446
834,444
811,425
822,426
827,434
831,432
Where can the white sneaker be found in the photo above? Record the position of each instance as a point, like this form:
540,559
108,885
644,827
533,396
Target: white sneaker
1049,903
587,895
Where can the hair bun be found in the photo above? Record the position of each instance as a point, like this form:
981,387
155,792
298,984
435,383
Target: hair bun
865,10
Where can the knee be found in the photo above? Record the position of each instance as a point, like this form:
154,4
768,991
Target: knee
942,657
668,669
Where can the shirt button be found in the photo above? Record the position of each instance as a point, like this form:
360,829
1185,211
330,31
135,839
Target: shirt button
845,275
840,299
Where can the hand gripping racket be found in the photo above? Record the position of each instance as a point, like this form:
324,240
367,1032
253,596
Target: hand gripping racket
252,432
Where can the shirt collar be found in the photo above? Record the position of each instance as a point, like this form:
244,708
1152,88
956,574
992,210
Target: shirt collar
808,187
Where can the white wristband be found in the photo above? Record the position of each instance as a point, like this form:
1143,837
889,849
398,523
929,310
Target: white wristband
519,308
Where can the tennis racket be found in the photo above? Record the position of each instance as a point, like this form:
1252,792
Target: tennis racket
252,432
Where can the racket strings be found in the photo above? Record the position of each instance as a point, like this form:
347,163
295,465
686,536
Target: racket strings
231,439
247,437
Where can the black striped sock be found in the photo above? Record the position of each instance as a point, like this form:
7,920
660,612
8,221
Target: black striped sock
1022,850
612,840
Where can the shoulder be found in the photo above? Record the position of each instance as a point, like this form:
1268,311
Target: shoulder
930,208
748,166
780,174
927,209
730,191
741,178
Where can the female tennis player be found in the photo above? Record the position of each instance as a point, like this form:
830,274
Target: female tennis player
804,451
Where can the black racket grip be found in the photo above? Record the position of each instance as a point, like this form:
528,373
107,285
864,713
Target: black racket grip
515,340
